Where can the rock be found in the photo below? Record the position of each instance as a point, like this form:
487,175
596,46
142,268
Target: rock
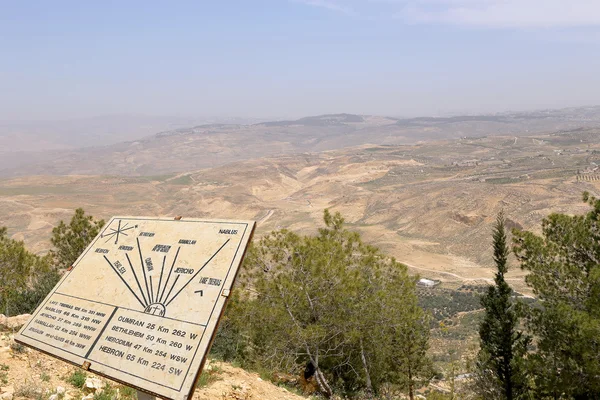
7,393
6,396
88,397
53,397
93,384
60,390
465,218
13,323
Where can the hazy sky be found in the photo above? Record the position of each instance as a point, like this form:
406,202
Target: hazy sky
283,58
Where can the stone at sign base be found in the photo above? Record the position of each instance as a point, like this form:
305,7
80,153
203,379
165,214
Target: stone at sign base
93,383
142,303
16,322
6,396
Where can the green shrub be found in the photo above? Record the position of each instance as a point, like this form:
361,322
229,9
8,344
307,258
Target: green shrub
126,392
209,375
77,378
18,348
4,374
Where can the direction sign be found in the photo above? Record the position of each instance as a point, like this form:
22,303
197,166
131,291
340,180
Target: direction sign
142,303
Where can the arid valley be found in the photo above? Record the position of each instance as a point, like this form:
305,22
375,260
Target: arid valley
430,204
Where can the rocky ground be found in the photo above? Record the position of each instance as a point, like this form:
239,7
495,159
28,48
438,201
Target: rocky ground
28,374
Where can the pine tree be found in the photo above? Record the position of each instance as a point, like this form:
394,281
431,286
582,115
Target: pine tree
71,240
500,364
339,307
25,278
564,275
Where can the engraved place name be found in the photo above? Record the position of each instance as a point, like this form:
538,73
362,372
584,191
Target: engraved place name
228,231
162,248
147,234
69,323
149,265
125,248
187,241
205,280
188,271
148,346
119,267
102,251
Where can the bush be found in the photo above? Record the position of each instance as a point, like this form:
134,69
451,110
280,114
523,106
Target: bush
4,374
42,281
18,348
30,390
26,278
126,392
77,378
314,301
443,304
209,375
107,393
231,344
71,240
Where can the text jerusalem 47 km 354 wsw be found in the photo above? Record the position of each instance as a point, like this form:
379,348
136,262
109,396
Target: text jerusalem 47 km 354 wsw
142,303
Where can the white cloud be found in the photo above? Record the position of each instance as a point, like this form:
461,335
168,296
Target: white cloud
478,13
506,13
332,5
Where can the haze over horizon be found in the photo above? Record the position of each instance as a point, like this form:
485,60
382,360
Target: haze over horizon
287,59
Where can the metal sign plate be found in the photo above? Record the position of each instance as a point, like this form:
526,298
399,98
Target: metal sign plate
141,305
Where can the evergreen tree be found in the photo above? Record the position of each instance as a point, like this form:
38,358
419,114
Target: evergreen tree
564,274
338,307
71,240
411,367
501,372
25,278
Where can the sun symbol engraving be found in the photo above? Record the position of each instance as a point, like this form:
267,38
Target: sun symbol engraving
154,299
116,232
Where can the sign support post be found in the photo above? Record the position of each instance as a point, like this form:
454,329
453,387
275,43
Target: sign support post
144,396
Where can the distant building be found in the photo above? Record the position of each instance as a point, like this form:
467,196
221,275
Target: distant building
592,169
466,163
426,282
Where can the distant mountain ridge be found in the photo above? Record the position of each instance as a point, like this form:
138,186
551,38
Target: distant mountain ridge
214,144
317,121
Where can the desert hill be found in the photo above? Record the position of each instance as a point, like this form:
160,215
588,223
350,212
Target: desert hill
431,205
215,144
